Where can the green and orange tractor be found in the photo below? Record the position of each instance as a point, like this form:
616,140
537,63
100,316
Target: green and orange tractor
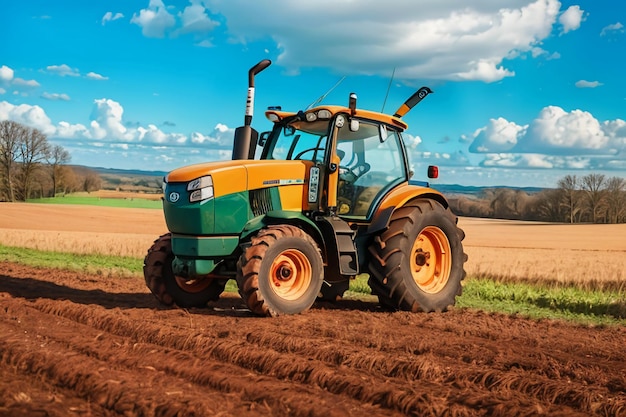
330,197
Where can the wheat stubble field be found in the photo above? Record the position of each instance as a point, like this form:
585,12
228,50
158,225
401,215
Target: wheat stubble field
80,344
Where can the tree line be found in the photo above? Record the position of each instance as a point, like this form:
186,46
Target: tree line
31,167
593,198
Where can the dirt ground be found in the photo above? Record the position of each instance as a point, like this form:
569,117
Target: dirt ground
80,345
74,344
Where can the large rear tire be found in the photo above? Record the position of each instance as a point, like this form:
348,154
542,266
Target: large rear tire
170,289
281,272
417,262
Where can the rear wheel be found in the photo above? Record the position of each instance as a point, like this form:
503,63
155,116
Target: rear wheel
417,263
169,288
281,272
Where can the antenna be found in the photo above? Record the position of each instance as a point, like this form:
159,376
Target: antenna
323,96
388,88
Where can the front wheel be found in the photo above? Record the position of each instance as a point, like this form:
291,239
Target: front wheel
417,262
169,288
281,272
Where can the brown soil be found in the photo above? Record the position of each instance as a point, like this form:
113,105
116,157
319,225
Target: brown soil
73,344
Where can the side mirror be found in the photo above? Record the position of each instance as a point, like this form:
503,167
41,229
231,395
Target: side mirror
263,138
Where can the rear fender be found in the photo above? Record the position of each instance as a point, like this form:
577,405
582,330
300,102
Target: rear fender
399,198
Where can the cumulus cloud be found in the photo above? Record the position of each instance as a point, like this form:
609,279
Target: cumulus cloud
441,41
63,70
154,20
109,17
95,76
55,96
6,74
614,28
499,135
588,84
555,139
195,20
33,116
571,18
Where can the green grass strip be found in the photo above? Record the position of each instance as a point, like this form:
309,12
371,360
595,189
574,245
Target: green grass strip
590,307
565,303
98,264
101,202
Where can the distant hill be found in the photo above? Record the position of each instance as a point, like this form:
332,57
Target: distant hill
467,190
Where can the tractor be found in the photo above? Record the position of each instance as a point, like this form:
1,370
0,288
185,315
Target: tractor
329,197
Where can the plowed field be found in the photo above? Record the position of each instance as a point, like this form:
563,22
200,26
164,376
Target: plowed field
73,344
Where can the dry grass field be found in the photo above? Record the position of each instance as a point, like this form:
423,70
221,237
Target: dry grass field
508,250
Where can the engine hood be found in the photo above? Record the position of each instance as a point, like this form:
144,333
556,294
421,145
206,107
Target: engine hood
242,175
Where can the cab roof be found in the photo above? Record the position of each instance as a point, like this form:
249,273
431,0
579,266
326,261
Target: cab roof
277,115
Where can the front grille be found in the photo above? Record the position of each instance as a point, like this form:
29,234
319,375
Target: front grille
261,201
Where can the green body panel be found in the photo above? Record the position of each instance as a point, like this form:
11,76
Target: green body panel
197,255
232,212
184,217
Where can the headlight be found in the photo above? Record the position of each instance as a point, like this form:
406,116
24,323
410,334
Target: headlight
202,189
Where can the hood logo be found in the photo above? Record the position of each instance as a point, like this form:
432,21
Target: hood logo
174,197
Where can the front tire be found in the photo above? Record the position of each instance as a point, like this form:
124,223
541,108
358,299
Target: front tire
417,262
281,272
170,289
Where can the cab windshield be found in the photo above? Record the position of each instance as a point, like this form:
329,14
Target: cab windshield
300,140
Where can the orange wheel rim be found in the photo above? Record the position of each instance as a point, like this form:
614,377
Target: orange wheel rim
194,285
290,274
431,260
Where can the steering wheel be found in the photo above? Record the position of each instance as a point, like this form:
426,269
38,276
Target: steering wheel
299,155
347,174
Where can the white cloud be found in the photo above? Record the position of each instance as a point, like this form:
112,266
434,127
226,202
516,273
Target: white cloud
536,161
222,136
109,17
554,132
442,41
557,131
20,82
499,135
614,28
95,76
155,20
195,20
6,74
588,84
55,96
2,90
33,116
571,18
63,70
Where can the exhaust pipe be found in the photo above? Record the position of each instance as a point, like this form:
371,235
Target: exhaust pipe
244,145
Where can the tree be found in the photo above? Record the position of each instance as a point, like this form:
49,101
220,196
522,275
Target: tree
616,200
33,150
92,182
570,197
592,185
11,136
56,158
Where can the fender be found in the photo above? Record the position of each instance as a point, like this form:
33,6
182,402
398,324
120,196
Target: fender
282,217
398,198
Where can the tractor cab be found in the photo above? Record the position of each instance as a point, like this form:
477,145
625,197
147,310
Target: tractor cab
359,151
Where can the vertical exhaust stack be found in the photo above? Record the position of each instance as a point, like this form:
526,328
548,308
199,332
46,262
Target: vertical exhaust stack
244,145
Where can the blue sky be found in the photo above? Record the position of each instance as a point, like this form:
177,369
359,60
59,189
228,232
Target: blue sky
526,91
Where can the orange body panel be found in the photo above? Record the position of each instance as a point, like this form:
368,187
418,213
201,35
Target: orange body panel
240,175
405,192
